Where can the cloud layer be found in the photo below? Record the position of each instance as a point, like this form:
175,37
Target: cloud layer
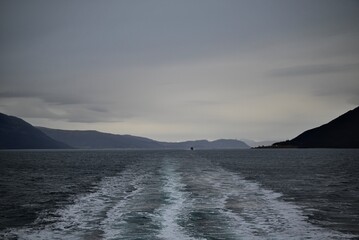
175,70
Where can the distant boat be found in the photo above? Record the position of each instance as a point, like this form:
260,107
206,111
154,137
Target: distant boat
192,148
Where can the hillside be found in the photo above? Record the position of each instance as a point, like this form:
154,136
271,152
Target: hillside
15,133
205,144
100,140
255,144
342,132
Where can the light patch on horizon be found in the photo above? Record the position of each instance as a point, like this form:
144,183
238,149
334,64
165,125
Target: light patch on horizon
180,70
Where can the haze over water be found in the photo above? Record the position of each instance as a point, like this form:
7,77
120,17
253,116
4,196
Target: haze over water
243,194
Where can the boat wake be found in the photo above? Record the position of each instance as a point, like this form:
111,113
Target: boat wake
173,198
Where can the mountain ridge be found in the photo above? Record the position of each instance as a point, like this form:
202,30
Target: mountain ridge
91,139
16,133
341,132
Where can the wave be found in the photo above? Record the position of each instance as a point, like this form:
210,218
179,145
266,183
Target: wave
176,198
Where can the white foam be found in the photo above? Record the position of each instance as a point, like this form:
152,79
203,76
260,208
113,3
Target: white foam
86,218
112,225
236,208
256,213
170,212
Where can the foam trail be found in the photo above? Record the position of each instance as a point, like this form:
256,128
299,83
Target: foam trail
111,224
208,218
84,218
133,218
170,213
256,213
177,198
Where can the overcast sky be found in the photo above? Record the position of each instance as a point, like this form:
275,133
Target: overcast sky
176,70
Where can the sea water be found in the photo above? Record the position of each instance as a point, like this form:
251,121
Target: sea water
229,194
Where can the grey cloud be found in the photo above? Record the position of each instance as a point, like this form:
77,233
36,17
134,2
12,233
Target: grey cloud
79,113
90,114
354,100
51,98
15,94
347,90
313,69
90,118
98,109
327,81
202,102
121,33
90,61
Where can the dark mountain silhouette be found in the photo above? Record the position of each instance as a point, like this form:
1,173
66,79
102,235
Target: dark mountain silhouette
342,132
205,144
255,144
15,133
97,140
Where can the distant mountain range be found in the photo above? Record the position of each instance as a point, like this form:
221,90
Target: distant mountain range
205,144
15,133
100,140
342,132
255,144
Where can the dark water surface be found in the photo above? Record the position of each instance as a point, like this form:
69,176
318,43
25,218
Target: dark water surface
242,194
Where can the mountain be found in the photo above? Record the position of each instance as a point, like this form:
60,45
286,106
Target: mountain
15,133
342,132
97,140
255,144
205,144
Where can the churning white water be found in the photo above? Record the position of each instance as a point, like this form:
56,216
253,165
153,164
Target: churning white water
176,198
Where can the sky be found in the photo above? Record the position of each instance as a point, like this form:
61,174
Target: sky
180,70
